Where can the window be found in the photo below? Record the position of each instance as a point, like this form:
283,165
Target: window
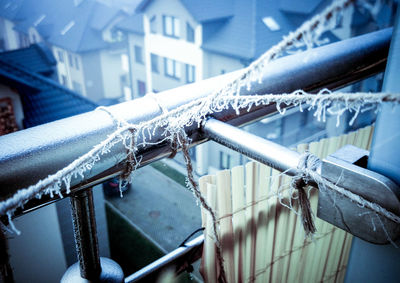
189,33
125,62
116,35
154,63
153,24
224,160
23,40
60,56
77,87
124,79
172,68
138,54
190,73
64,80
171,26
70,60
34,40
141,87
76,63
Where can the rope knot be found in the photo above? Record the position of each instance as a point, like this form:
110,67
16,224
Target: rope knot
308,164
130,160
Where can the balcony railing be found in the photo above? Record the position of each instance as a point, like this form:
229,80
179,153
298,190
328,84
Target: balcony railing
32,154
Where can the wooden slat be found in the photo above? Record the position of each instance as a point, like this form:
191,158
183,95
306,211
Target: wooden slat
268,238
239,221
262,222
211,268
251,219
226,228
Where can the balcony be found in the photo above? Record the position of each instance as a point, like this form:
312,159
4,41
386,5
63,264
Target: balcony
30,155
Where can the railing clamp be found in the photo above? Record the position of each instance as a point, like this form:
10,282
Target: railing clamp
344,168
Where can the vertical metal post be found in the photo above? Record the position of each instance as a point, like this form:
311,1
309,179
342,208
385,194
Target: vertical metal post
90,267
86,234
375,263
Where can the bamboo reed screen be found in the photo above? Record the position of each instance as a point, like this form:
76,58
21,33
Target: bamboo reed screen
262,240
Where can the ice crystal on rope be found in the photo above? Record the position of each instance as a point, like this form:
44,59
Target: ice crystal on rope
172,123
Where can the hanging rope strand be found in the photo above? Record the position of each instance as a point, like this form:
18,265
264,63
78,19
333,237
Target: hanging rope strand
182,138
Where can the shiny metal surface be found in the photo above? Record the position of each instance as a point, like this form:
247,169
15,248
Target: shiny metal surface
342,168
178,260
32,154
85,234
262,150
111,272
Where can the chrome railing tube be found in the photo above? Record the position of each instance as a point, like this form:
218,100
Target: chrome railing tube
32,154
90,267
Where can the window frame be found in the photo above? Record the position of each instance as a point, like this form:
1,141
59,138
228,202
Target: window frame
138,52
70,61
175,26
190,69
154,59
153,24
76,62
60,56
64,80
141,85
176,71
77,87
190,34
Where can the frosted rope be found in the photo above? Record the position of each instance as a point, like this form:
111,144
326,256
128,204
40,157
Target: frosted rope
193,112
308,173
52,184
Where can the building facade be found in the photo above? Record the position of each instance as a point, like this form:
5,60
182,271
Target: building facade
176,42
90,53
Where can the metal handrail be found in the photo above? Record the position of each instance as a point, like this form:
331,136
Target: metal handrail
32,154
182,257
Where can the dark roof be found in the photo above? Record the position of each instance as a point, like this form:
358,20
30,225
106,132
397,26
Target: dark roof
132,24
202,11
43,100
36,58
209,10
75,28
10,9
236,28
245,35
301,7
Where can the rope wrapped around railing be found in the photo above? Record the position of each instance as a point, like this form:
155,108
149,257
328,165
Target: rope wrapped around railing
173,122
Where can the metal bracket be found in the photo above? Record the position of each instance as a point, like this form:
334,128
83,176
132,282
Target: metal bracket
346,168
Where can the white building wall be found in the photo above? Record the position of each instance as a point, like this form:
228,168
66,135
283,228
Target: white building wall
217,64
91,65
137,70
34,36
178,49
11,36
70,66
111,68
